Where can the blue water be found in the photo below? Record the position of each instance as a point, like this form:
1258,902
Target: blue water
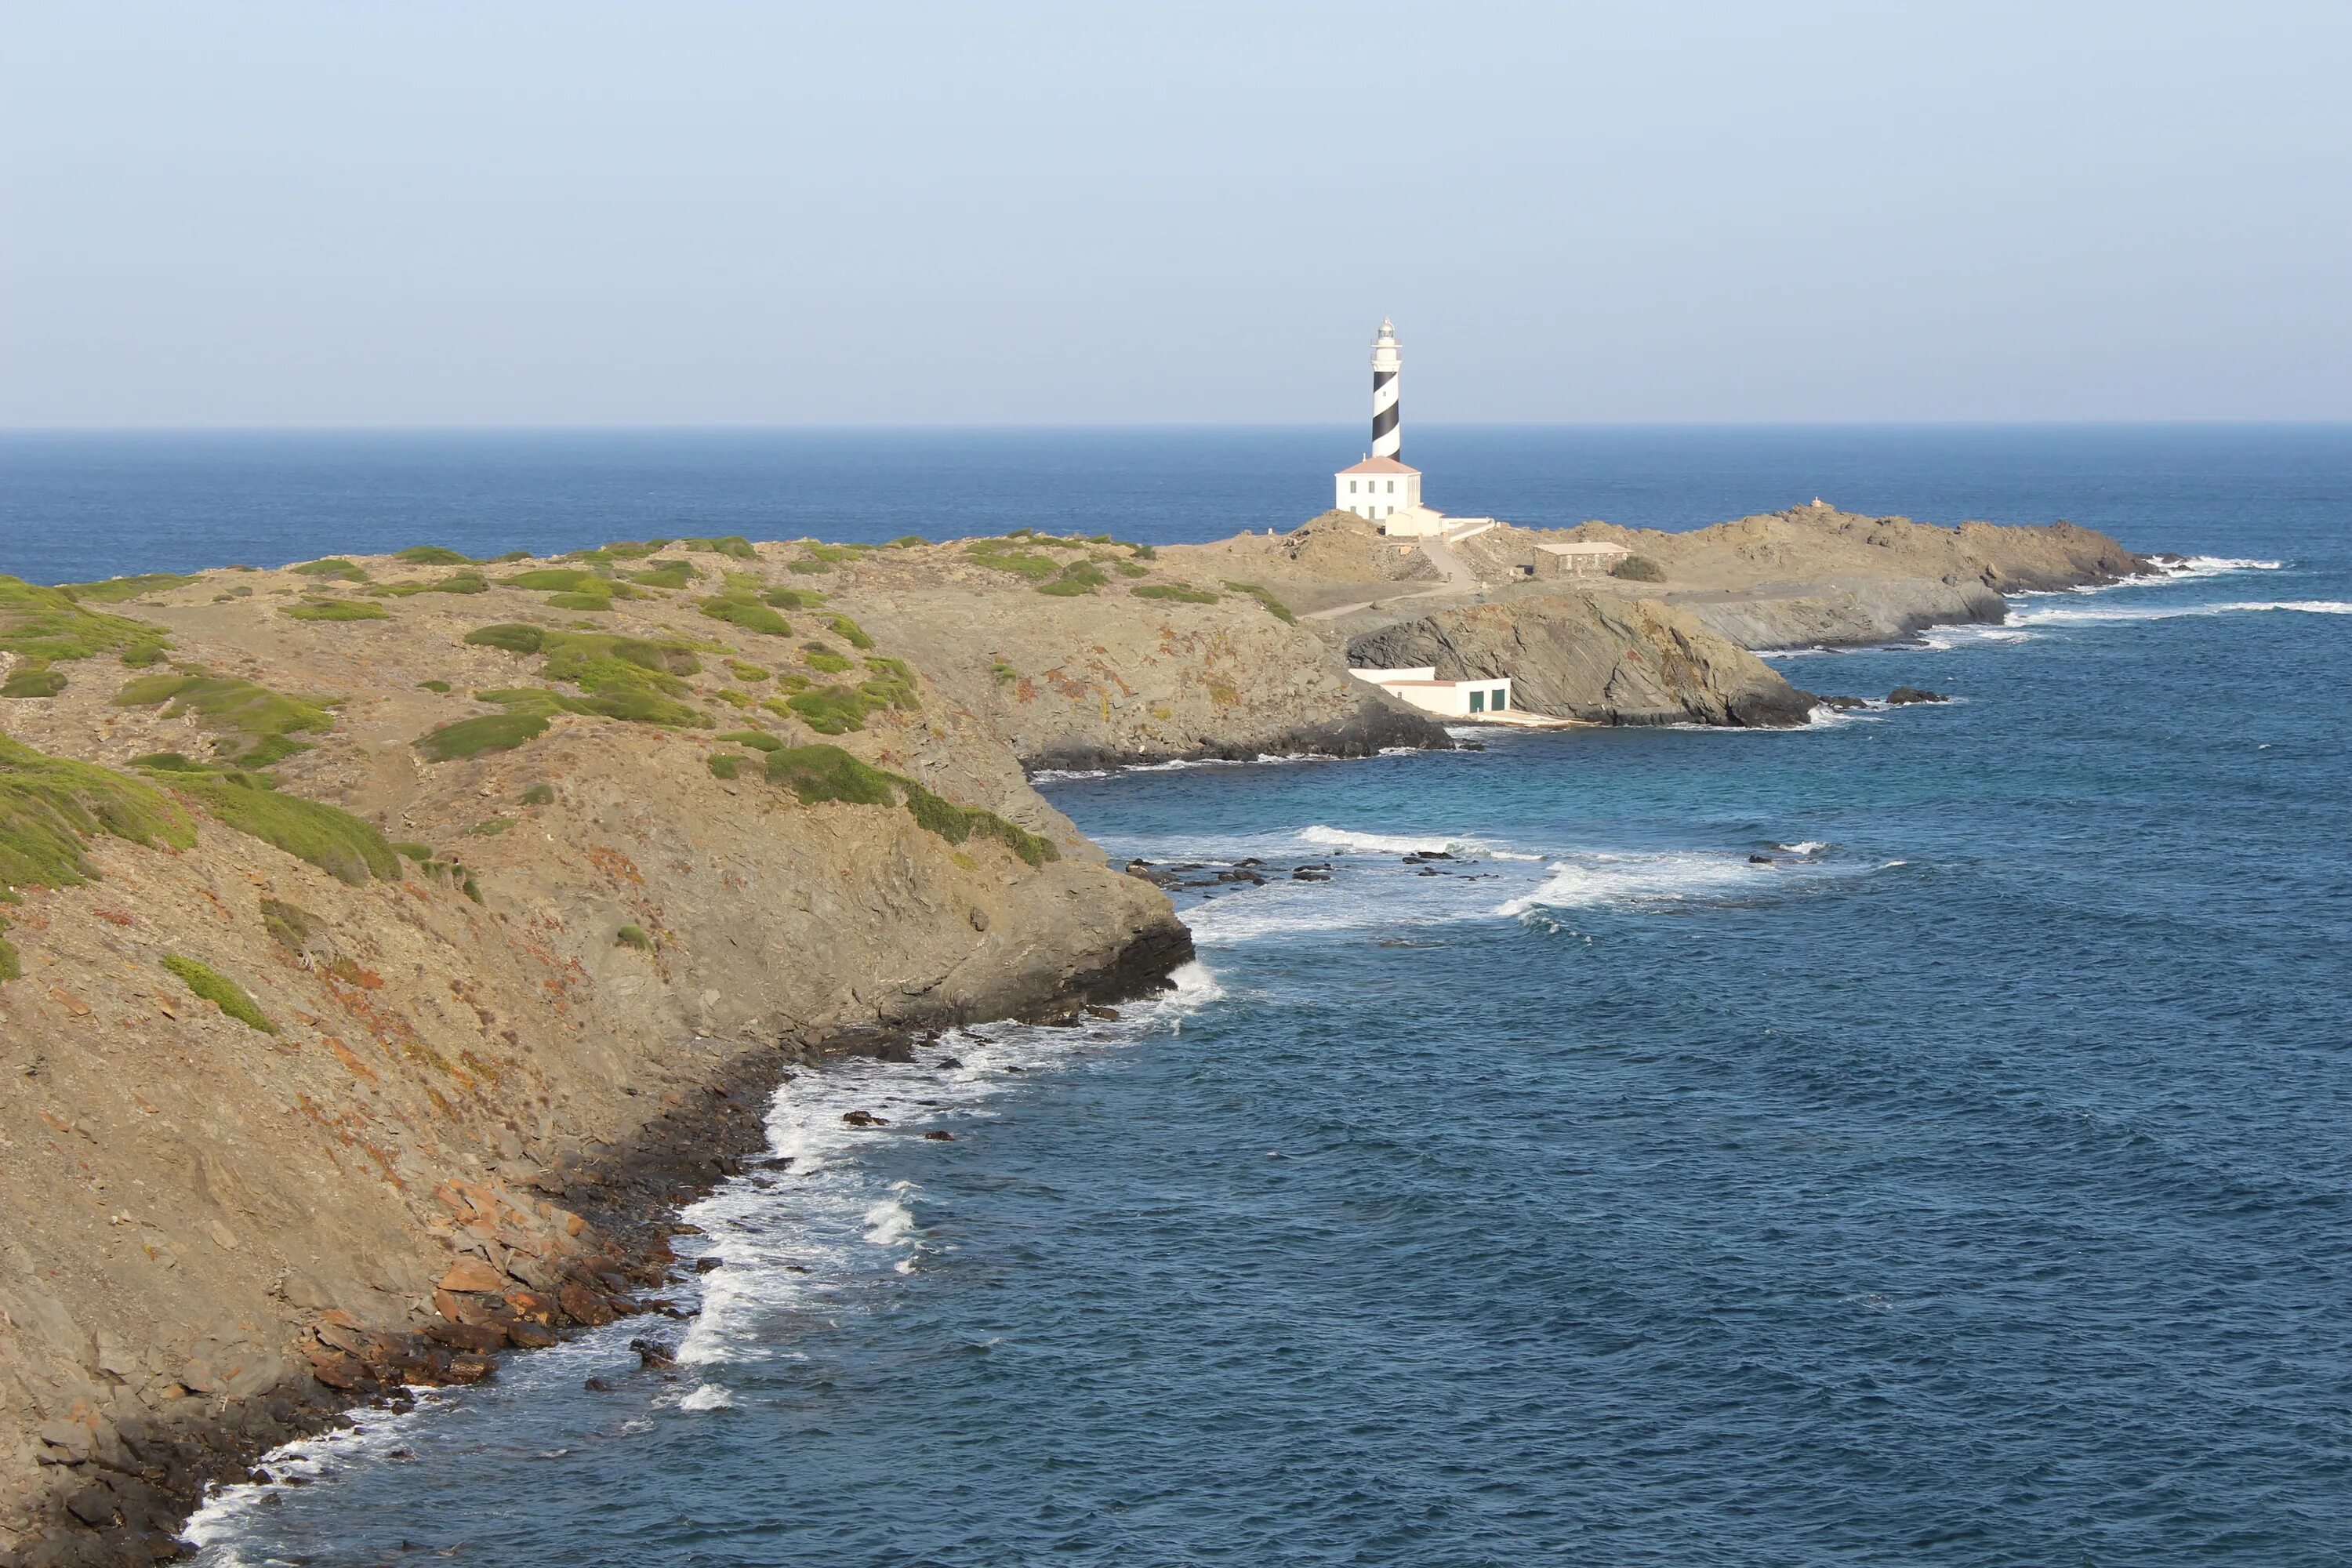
1971,1184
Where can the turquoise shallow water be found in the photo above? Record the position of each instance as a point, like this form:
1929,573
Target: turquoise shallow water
1970,1183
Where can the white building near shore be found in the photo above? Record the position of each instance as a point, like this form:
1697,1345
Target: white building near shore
1418,685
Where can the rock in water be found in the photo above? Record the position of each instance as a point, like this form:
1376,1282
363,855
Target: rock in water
1595,657
1901,696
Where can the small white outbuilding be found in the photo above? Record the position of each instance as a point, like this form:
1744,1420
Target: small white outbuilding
1418,684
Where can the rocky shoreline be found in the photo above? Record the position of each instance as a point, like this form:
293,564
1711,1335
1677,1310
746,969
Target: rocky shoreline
122,1490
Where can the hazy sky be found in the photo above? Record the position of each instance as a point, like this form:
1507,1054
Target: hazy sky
420,214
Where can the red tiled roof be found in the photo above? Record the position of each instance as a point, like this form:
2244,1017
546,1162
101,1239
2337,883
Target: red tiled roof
1380,466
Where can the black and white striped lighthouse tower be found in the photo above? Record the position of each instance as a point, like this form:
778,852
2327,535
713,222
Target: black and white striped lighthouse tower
1388,436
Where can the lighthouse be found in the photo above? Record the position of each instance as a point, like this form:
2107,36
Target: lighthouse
1388,431
1382,485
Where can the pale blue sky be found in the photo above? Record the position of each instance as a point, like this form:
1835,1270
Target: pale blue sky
688,212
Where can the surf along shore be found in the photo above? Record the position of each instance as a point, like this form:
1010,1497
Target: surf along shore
388,945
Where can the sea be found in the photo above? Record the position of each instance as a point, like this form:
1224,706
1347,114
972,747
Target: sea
1924,1137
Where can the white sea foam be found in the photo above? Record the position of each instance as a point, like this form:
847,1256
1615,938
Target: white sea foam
2215,566
2061,616
217,1525
1356,841
1672,876
707,1396
1802,847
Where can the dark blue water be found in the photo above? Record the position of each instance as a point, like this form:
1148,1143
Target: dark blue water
1972,1183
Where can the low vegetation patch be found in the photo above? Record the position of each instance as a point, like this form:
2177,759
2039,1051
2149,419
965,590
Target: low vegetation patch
116,590
266,720
906,541
793,598
438,686
849,631
33,681
1639,569
837,710
1281,611
633,936
51,808
1004,555
817,774
666,575
334,568
45,627
335,610
820,657
748,674
465,582
1182,593
431,555
1077,578
758,739
540,794
741,609
335,841
1004,673
529,710
724,764
220,991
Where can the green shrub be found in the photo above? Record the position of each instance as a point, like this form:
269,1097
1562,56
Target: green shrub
1179,592
335,841
1130,568
666,575
420,853
1639,569
431,555
831,709
1077,577
489,731
1000,556
334,568
633,936
892,682
592,604
731,697
492,827
906,539
51,808
45,627
739,610
820,658
556,580
466,582
817,774
793,598
116,590
334,610
510,558
1144,552
268,719
33,681
437,686
220,991
1005,674
850,632
724,764
749,673
758,739
540,794
1265,596
733,545
513,637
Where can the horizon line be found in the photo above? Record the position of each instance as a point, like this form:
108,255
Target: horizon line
1142,425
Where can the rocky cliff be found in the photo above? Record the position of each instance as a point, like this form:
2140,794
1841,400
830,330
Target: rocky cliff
1816,574
1595,657
362,924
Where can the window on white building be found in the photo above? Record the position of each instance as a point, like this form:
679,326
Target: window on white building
1391,487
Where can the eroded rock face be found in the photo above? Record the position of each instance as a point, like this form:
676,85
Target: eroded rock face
1103,682
1595,657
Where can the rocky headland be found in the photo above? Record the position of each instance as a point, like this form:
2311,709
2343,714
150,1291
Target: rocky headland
387,944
